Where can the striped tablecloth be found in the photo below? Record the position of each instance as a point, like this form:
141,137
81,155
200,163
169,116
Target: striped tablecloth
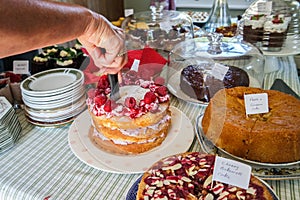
42,166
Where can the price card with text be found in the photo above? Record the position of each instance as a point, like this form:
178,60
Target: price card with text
232,172
264,7
219,71
256,103
135,65
21,66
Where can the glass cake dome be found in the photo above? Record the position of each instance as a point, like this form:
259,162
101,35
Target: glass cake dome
200,67
158,29
272,25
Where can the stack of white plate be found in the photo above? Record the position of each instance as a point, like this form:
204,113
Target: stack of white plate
54,97
10,127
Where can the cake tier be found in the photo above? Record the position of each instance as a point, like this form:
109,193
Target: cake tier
127,145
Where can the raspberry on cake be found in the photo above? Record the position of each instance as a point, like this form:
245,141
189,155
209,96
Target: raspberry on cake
136,123
189,176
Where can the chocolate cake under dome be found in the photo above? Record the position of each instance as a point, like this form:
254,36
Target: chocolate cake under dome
158,29
200,67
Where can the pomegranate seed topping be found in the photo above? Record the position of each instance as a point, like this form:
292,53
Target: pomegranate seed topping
130,102
100,99
149,97
162,91
107,106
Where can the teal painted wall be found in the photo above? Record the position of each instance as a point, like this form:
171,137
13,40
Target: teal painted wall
137,5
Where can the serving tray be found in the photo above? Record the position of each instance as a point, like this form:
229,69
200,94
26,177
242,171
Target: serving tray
265,171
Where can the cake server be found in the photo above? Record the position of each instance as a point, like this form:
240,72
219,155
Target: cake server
114,85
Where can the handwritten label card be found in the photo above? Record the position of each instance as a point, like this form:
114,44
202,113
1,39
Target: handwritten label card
21,66
219,71
256,103
264,7
232,172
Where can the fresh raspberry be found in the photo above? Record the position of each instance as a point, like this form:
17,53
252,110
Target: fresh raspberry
98,92
107,106
130,102
162,91
149,97
103,82
100,99
159,80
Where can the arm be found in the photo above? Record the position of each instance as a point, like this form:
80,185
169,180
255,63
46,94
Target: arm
33,24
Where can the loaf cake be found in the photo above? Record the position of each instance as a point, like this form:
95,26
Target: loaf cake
196,82
135,123
272,137
189,176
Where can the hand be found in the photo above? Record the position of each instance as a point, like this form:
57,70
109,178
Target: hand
105,43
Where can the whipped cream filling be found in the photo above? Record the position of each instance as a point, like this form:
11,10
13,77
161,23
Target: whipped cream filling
136,132
123,142
255,23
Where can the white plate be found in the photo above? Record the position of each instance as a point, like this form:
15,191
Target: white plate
60,104
55,96
69,115
56,112
178,140
49,81
267,171
292,47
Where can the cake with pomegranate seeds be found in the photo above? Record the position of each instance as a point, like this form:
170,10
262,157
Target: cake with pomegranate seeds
189,176
135,123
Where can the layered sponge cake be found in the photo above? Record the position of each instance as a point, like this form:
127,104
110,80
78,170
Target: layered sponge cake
135,123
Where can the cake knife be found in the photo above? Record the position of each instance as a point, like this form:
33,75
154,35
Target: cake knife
114,85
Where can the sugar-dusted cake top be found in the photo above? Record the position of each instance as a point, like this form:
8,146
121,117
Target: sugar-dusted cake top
135,101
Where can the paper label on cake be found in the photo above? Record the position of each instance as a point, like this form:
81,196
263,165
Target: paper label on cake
219,71
231,172
264,7
21,66
256,103
128,12
135,65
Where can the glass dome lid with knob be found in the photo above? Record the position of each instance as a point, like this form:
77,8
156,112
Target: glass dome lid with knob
233,62
158,28
272,26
